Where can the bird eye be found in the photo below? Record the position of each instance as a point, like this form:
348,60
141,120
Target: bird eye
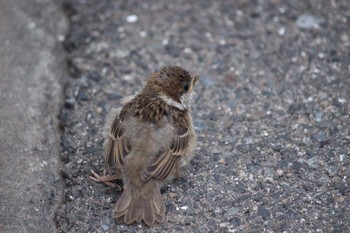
186,87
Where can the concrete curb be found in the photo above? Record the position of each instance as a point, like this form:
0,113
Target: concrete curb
32,71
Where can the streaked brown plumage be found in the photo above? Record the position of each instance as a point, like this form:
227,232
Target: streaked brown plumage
149,140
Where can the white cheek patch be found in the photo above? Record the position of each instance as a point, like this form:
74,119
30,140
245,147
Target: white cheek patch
186,100
173,103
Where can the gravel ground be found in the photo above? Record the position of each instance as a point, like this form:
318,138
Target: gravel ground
271,111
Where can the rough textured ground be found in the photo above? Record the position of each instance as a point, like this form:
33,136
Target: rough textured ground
32,69
271,111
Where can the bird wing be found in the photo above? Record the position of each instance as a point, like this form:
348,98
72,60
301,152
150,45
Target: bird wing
117,147
162,164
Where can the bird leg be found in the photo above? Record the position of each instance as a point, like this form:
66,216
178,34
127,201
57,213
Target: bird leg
105,178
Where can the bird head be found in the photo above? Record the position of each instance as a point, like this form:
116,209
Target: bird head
174,85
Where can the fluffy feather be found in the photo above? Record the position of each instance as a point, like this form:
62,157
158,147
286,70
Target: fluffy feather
148,141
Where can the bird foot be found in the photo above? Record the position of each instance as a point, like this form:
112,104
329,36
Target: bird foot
105,179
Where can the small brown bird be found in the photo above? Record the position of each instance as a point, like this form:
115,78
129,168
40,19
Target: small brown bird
150,139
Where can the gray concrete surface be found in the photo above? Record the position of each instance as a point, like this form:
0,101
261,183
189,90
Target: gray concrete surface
32,69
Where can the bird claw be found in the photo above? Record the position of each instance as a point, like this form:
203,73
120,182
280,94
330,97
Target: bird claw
105,179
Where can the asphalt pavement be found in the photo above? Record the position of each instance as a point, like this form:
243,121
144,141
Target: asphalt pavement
271,111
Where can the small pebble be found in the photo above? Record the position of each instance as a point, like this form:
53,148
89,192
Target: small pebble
249,141
279,172
216,151
61,38
143,34
165,41
105,227
31,25
184,207
98,109
307,22
187,50
341,199
282,31
320,137
132,18
341,100
263,212
171,195
128,77
221,161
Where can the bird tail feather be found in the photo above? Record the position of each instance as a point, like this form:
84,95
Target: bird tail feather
135,205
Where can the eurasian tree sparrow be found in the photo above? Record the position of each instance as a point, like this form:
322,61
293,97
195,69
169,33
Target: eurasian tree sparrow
148,142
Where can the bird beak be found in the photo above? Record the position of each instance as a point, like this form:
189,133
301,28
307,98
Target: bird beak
195,79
